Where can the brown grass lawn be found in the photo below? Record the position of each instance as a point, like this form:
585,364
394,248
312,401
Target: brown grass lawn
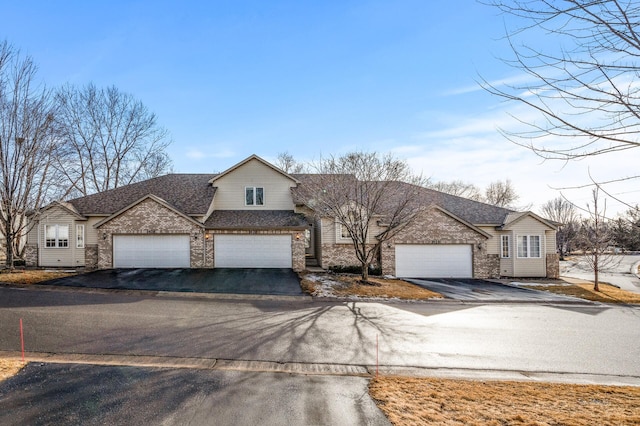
9,367
584,290
350,286
31,276
429,401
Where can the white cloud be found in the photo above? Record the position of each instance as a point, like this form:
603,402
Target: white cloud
472,150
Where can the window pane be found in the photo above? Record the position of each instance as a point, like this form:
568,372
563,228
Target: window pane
522,246
80,236
248,196
505,246
50,235
259,196
50,232
344,232
534,243
63,236
63,232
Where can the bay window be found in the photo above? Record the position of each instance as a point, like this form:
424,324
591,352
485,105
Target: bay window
56,236
529,246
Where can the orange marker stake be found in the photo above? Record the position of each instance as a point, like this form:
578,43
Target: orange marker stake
22,339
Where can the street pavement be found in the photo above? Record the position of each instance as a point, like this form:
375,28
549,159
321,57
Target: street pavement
548,338
197,361
620,272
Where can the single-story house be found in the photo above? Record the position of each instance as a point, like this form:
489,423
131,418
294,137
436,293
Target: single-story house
252,216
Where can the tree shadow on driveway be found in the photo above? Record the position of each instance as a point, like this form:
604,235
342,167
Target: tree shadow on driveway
94,395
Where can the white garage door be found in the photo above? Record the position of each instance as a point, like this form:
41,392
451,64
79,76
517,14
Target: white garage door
434,261
151,251
252,251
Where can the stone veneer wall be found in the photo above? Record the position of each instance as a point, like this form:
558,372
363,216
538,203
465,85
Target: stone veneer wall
338,255
91,256
553,265
150,217
435,227
31,255
297,244
488,265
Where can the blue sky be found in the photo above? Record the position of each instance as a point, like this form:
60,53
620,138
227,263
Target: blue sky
232,78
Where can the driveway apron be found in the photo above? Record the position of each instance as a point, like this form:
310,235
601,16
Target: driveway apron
485,291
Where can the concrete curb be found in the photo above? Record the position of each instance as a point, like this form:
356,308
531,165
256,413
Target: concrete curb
635,268
270,297
301,368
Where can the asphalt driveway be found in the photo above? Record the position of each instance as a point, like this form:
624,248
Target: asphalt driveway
98,395
261,281
483,290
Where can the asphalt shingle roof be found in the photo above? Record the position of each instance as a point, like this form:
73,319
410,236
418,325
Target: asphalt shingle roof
222,219
189,193
471,211
192,194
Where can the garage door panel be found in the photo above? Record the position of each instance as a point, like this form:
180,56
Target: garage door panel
434,260
252,251
151,251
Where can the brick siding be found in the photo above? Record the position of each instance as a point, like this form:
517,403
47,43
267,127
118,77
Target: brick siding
338,255
432,226
31,255
149,217
91,256
553,266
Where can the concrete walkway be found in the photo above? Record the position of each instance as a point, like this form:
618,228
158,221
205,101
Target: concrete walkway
622,274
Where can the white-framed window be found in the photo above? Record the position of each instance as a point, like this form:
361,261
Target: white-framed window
344,232
529,246
254,196
505,246
79,236
56,236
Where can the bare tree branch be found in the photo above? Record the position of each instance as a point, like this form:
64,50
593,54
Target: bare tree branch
28,144
585,88
110,138
361,192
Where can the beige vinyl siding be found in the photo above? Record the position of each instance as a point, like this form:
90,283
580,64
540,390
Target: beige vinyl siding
230,194
507,263
60,256
32,235
90,232
330,232
493,243
529,267
494,247
550,243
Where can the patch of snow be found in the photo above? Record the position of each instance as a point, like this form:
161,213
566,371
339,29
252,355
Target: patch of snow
537,284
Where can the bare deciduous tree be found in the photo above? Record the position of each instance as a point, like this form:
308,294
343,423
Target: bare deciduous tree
595,238
501,194
361,191
458,188
584,86
566,215
27,145
110,139
288,164
626,230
